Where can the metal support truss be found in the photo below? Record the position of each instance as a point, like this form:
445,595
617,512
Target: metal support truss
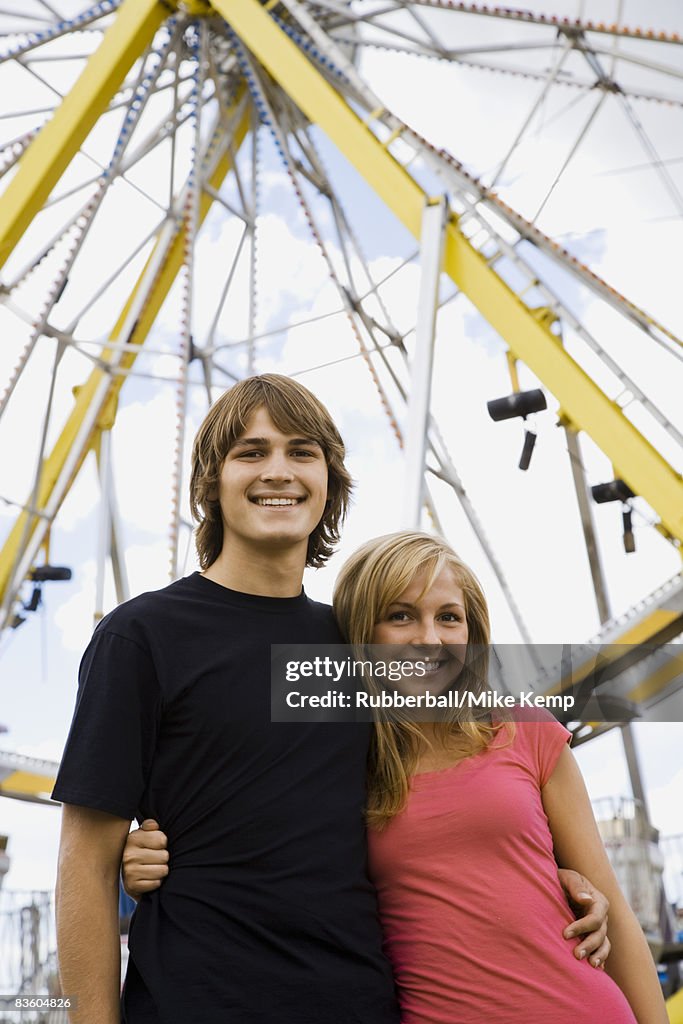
57,143
432,237
109,538
585,405
95,405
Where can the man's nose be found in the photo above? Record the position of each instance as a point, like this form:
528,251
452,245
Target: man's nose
276,467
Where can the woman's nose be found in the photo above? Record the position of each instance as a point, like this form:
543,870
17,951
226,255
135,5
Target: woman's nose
426,634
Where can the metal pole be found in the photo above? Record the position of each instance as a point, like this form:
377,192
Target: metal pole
118,557
588,525
432,243
104,526
642,811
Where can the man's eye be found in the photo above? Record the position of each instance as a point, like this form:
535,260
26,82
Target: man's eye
249,455
304,452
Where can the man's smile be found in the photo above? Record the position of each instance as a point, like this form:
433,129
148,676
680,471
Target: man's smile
277,501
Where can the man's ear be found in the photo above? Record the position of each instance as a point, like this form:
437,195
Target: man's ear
213,492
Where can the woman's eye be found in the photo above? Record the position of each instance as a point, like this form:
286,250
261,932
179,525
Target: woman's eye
451,617
397,617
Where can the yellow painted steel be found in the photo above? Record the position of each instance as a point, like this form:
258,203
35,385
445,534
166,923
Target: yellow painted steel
512,370
657,681
655,623
196,8
26,784
56,460
646,690
636,461
48,156
674,1008
583,403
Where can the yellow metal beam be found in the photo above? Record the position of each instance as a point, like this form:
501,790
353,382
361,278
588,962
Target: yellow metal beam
57,459
50,153
26,784
583,403
619,657
635,459
657,681
26,778
674,1008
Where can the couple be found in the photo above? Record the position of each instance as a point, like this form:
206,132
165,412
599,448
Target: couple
267,914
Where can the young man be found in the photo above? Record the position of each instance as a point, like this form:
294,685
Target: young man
267,916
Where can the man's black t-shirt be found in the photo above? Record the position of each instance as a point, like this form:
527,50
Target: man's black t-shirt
267,915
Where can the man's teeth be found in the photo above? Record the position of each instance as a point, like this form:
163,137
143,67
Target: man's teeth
277,501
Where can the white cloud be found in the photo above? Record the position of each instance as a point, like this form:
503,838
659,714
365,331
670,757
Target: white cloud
74,618
34,842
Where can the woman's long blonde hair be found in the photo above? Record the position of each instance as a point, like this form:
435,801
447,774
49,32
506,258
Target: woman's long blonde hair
369,582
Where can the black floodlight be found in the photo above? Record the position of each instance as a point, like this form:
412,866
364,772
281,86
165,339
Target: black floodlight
34,603
521,403
527,450
615,490
629,539
49,573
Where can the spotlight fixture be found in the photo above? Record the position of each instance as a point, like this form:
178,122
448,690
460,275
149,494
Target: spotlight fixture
49,573
629,539
617,490
38,575
34,603
527,450
522,404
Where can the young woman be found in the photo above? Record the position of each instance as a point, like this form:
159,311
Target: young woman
468,821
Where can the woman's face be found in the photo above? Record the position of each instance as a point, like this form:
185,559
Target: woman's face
427,627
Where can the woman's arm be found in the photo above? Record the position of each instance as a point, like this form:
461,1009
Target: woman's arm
144,864
577,842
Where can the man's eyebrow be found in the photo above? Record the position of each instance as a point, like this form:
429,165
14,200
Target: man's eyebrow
264,442
304,440
250,442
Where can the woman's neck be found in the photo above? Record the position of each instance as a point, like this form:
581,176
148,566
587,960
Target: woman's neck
441,749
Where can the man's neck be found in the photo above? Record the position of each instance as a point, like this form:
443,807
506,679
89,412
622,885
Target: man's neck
257,571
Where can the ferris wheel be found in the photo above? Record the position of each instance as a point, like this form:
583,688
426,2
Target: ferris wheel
195,191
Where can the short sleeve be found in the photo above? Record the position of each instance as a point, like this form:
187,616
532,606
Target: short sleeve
113,733
541,739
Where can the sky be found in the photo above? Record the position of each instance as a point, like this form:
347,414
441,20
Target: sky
610,209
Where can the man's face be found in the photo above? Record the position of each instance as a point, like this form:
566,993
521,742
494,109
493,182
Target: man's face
273,486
